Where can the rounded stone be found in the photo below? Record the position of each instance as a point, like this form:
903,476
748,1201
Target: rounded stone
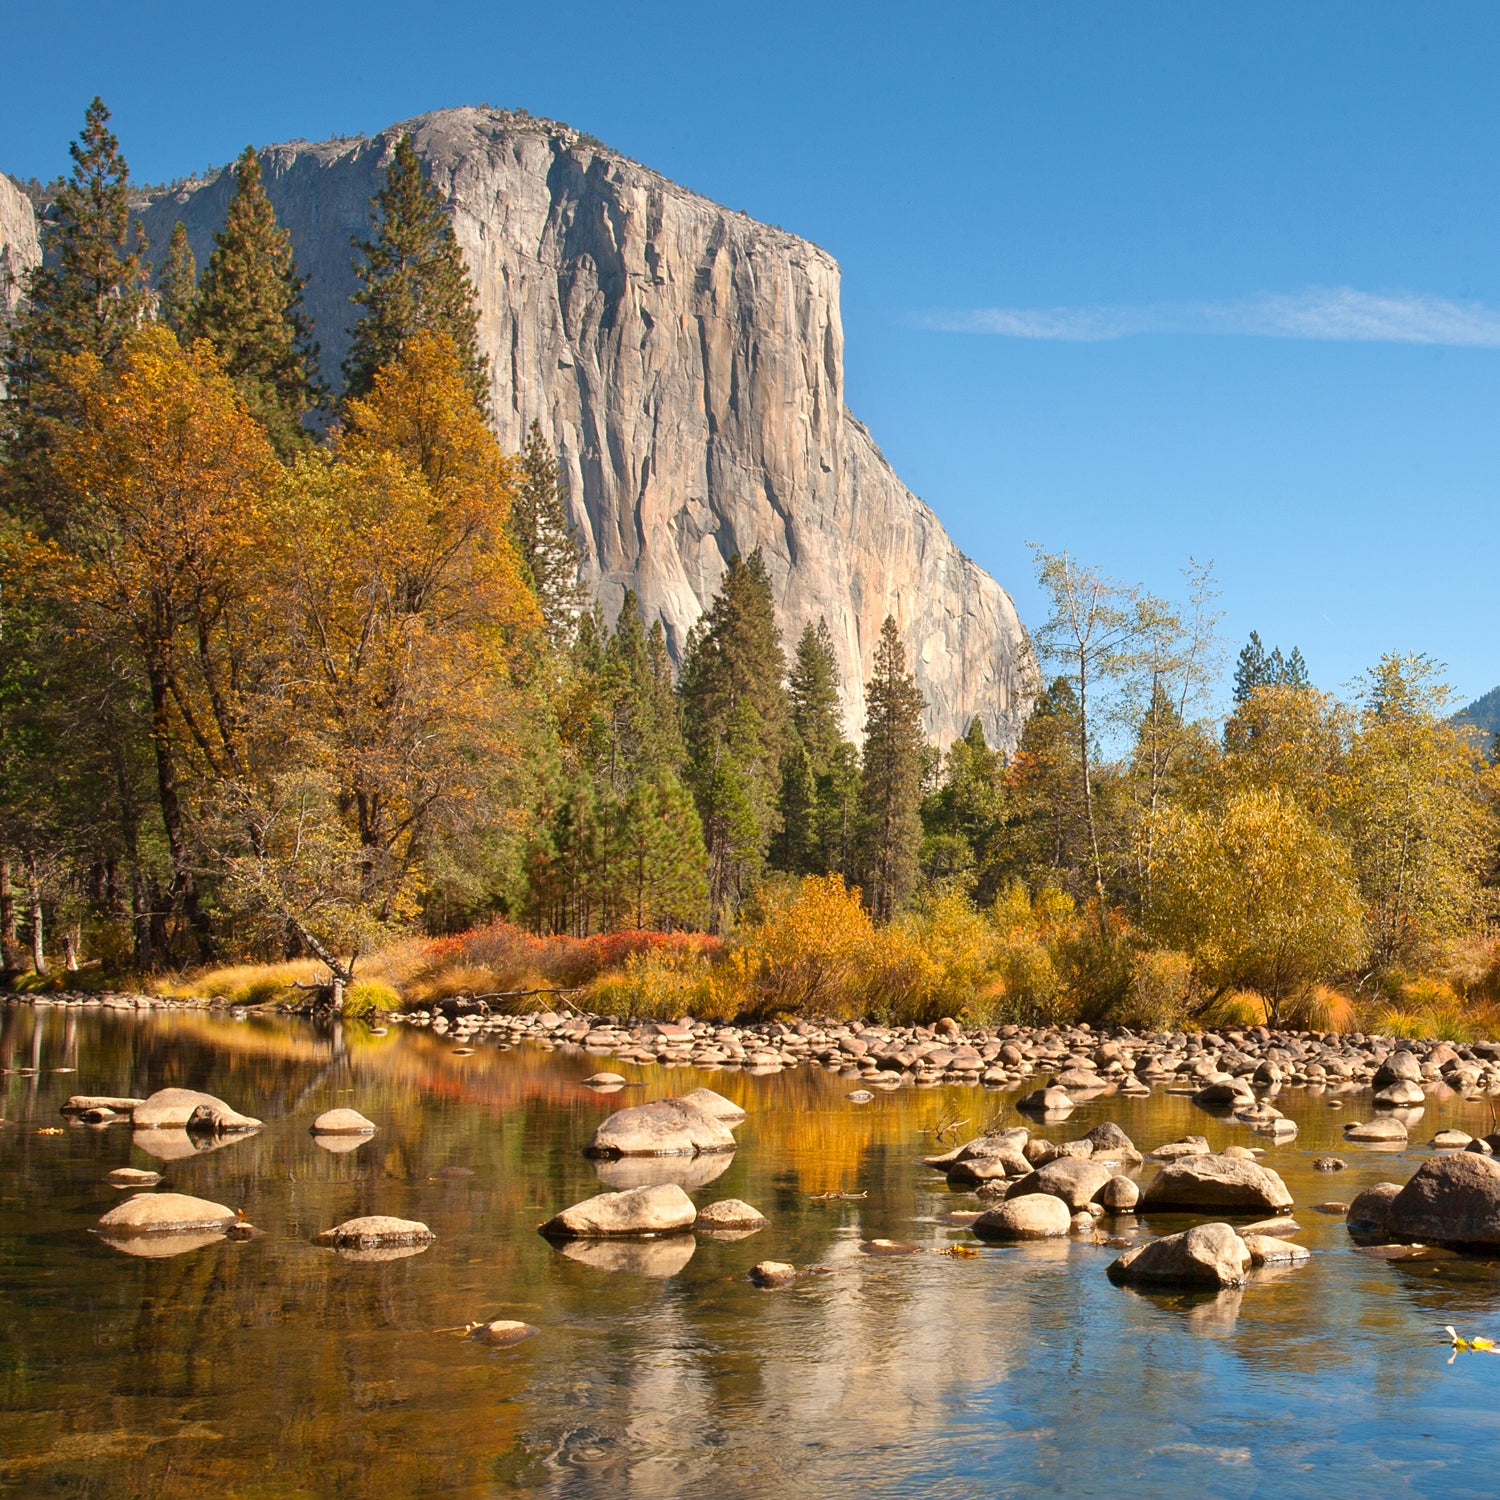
1036,1216
165,1213
1205,1255
1217,1182
662,1209
134,1177
500,1333
342,1122
1119,1195
666,1127
375,1231
730,1213
773,1273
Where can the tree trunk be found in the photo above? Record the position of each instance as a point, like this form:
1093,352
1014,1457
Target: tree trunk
184,891
34,896
10,943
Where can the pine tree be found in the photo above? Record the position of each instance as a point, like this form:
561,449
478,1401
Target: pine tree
177,283
813,689
1250,670
1295,673
892,777
85,298
544,537
412,277
737,720
249,308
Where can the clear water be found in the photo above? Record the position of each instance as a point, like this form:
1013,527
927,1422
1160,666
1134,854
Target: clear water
274,1368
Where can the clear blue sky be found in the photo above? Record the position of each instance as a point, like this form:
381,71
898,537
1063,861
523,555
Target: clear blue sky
1142,281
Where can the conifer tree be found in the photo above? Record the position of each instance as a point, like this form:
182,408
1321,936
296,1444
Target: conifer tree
892,777
249,308
544,537
1258,668
737,723
85,298
813,690
412,277
177,283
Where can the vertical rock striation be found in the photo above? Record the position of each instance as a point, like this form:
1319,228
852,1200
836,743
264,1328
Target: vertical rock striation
20,250
687,362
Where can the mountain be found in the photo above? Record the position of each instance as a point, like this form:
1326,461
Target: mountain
1482,715
19,249
687,363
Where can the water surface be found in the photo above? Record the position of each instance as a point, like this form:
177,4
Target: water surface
275,1368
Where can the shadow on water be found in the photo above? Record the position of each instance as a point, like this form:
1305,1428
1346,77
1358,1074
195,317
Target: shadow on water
273,1367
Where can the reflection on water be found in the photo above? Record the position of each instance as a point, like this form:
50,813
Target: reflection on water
271,1367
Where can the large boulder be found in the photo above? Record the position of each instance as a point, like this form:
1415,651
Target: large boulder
1368,1213
1037,1216
716,1105
164,1213
180,1109
1399,1067
1112,1144
1398,1095
638,1211
1119,1195
1450,1200
1075,1180
665,1127
1224,1093
1224,1183
1210,1255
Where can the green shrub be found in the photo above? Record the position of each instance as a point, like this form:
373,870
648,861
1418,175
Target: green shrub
365,996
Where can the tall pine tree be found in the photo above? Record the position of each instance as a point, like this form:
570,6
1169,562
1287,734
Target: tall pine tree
412,277
85,298
737,722
177,283
249,308
544,537
892,778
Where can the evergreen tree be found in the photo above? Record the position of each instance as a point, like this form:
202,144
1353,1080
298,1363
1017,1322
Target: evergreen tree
412,277
249,308
177,283
736,716
813,691
1295,673
962,818
544,537
1258,668
892,777
86,297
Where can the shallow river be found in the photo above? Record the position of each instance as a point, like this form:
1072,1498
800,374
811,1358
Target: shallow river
275,1368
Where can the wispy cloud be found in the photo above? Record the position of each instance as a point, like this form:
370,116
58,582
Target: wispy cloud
1339,313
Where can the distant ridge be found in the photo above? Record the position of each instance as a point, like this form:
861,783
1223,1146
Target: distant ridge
1483,714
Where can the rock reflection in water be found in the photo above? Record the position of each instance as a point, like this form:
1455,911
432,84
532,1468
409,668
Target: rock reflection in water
163,1246
688,1172
655,1258
179,1145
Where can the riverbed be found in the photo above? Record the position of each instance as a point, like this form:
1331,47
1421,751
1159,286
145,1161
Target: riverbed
272,1367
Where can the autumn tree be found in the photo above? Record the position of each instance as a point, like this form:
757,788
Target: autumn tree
736,716
891,777
249,307
412,280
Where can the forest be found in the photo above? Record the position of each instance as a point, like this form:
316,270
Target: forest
299,683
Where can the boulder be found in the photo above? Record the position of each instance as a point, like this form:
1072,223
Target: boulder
134,1177
980,1169
730,1213
1108,1140
1037,1216
1266,1250
1380,1132
1049,1101
714,1104
1450,1200
665,1209
1451,1140
164,1213
666,1127
1073,1179
1189,1145
1119,1195
773,1273
375,1232
176,1109
1398,1095
1225,1183
1368,1213
342,1122
1224,1093
82,1104
1210,1255
1399,1067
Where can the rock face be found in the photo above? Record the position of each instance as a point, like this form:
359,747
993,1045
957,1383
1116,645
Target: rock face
687,364
20,246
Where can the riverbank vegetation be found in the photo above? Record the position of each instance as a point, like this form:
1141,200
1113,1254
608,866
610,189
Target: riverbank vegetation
305,691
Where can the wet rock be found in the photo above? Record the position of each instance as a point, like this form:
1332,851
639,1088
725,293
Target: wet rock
179,1109
772,1273
715,1105
1449,1200
1189,1145
1368,1213
889,1247
1398,1095
81,1104
667,1127
1210,1255
1072,1179
164,1213
1119,1195
1378,1132
859,1096
1048,1101
730,1213
1268,1251
1035,1216
1329,1164
1451,1140
637,1211
342,1122
134,1177
375,1232
501,1333
1216,1182
603,1081
1399,1067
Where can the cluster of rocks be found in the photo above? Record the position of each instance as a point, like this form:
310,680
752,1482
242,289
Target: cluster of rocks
1225,1066
1452,1201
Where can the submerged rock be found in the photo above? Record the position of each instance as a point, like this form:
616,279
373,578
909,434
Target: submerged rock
1217,1182
664,1209
164,1213
666,1127
772,1273
500,1333
1210,1255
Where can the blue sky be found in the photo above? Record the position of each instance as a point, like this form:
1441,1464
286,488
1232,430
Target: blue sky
1142,281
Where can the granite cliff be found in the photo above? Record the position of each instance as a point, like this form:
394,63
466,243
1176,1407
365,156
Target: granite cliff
19,248
687,363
